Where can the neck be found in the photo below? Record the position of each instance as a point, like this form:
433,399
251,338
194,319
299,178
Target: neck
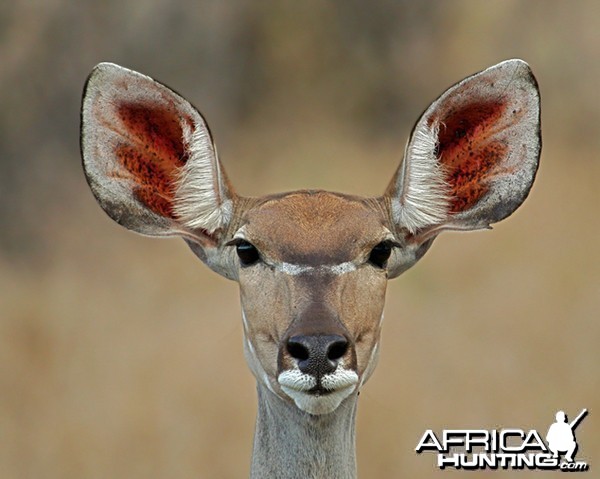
290,443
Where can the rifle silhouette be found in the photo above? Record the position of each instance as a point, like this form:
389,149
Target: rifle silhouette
575,421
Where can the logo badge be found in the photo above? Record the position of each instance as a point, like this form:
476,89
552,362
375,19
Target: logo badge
513,448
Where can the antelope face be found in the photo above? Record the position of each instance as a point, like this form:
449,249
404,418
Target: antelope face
313,273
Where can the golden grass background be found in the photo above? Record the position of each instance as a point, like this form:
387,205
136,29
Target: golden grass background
121,356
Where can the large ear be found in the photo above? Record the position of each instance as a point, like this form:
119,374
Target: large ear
149,157
472,156
150,161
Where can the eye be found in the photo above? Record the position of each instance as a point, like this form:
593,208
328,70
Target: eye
380,254
247,253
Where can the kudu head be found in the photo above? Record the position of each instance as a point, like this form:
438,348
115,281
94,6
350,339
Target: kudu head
312,265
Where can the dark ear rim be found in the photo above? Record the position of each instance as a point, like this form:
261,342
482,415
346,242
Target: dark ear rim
518,61
137,217
511,203
103,65
489,208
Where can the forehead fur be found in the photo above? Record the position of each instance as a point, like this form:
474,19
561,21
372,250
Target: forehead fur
315,227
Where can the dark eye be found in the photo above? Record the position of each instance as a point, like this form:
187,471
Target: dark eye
247,253
380,254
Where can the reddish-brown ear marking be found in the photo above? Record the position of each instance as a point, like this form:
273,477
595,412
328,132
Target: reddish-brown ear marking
470,150
151,152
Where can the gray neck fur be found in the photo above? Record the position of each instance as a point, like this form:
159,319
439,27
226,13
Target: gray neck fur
290,443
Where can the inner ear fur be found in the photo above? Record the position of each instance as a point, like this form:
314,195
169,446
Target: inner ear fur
146,151
473,154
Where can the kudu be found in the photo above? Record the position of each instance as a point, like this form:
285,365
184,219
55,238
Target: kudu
312,265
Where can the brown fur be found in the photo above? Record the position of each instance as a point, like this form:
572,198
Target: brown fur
313,275
319,227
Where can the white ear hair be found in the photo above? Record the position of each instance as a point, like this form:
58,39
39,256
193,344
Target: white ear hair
201,197
425,194
473,154
149,158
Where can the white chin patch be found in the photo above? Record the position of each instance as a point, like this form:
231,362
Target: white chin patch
337,385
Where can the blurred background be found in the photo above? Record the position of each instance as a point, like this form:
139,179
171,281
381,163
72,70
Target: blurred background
121,356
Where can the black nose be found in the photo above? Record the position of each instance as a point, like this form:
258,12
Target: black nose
318,354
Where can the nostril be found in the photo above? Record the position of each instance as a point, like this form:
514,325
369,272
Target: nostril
337,350
317,354
297,350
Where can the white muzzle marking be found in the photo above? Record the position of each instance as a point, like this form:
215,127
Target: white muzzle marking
338,386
